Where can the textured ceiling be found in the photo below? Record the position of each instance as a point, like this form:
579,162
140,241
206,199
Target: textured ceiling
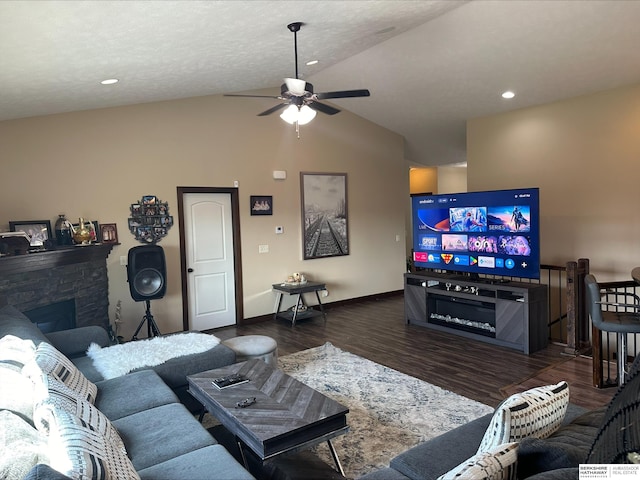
430,65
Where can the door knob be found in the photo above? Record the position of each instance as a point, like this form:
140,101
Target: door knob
190,270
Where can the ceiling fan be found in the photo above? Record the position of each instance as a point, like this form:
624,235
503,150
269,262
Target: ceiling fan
298,96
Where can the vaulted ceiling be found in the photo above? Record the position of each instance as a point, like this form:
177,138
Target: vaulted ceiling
430,65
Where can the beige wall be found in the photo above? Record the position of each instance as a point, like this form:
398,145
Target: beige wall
452,179
96,163
584,155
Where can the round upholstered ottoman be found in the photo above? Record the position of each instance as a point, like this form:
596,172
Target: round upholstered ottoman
254,346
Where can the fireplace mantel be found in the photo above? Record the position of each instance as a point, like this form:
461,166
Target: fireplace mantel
31,262
39,279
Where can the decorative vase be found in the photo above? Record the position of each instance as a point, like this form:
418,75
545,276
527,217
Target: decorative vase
63,232
82,235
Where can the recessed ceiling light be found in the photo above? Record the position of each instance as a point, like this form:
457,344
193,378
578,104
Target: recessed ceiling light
508,94
312,62
109,81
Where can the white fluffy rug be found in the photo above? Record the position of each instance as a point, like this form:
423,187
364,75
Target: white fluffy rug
119,360
389,411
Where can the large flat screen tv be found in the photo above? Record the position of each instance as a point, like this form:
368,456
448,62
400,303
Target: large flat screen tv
495,233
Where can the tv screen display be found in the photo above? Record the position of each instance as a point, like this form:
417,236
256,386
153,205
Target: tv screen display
493,232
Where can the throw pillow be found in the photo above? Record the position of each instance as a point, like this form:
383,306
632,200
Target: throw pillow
21,446
80,451
16,352
498,463
535,413
51,362
61,397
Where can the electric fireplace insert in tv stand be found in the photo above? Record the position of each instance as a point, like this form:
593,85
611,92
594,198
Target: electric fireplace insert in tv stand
510,314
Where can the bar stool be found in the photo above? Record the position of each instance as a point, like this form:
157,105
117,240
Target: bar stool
622,322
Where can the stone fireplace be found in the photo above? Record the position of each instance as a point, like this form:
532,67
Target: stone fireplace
52,287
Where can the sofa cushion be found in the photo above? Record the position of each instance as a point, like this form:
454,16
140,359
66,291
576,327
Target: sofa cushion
44,472
136,392
21,447
197,465
50,362
160,434
14,322
538,412
80,451
88,369
499,463
572,473
174,371
442,453
568,447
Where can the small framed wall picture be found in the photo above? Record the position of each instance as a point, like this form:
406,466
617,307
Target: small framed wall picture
109,232
39,231
261,204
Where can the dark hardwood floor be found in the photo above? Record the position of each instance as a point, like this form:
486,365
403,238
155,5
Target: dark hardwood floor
375,329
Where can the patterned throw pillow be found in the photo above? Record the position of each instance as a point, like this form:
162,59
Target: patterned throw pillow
535,413
51,362
499,463
80,451
61,397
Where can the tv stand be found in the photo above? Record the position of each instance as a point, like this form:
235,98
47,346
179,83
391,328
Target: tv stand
510,314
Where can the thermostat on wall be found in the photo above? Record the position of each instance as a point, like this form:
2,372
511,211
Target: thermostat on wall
279,174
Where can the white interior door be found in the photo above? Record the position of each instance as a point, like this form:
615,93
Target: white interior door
209,254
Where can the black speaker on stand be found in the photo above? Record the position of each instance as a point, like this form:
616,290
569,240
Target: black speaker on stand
146,274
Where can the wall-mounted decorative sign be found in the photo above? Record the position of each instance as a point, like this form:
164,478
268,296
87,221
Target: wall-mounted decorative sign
324,214
261,205
150,219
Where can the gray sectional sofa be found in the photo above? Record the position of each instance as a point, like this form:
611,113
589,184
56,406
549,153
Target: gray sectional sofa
605,435
162,438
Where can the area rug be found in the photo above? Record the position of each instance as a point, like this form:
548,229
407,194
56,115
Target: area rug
119,360
389,411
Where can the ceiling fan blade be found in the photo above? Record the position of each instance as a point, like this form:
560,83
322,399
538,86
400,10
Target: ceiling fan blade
295,86
251,96
343,94
273,109
321,107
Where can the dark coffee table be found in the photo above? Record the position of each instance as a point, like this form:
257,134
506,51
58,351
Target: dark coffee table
287,416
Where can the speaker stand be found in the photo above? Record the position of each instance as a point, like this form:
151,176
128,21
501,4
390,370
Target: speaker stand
152,327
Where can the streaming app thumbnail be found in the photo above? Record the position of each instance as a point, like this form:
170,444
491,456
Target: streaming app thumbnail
419,256
482,243
434,219
433,258
429,242
468,219
486,262
514,245
454,243
461,260
510,218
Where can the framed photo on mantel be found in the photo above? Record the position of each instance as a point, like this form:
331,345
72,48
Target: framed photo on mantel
39,231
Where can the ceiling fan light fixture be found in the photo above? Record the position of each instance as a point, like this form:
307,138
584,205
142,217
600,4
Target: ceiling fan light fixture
306,114
300,115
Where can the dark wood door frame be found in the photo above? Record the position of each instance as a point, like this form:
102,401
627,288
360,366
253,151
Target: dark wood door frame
237,257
